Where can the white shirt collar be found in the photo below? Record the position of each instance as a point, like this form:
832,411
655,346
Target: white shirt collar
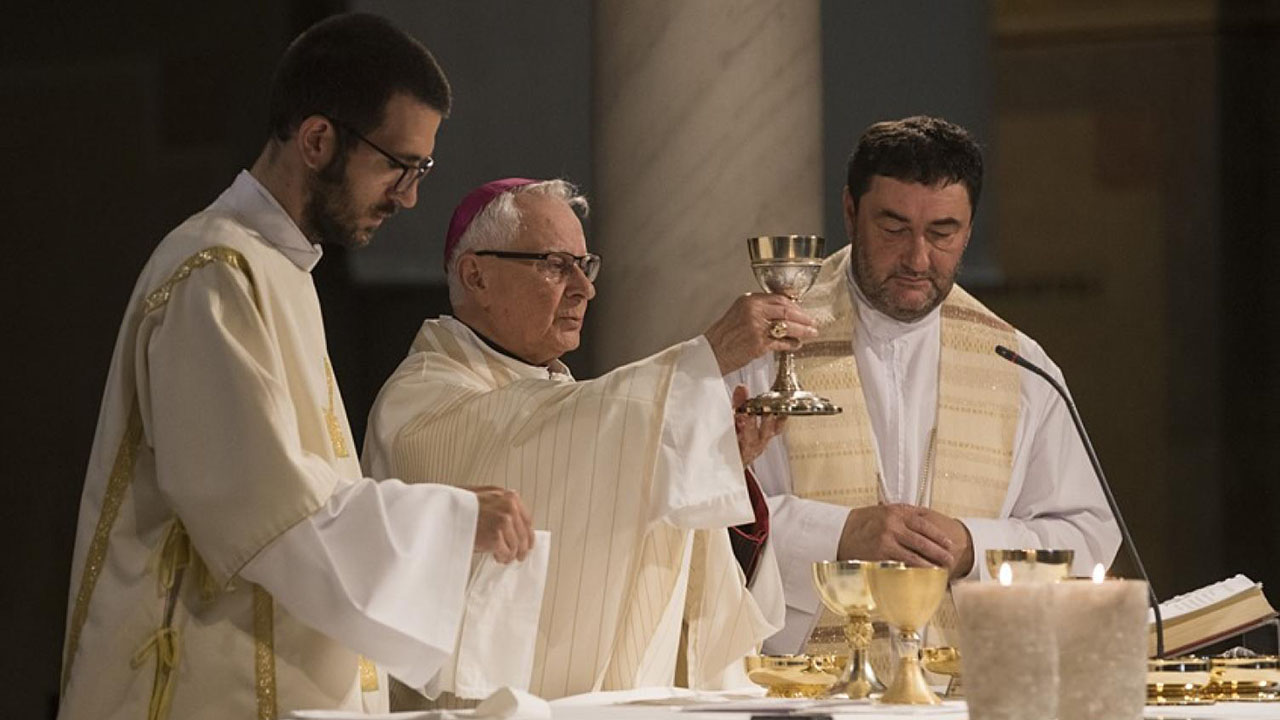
253,205
554,370
881,327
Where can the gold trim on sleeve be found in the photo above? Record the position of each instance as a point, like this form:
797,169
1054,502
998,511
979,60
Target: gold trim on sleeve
264,653
117,484
160,296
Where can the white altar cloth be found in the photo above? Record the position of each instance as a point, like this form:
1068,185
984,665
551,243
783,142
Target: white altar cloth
680,704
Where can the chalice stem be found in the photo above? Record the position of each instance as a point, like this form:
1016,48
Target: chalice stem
786,381
859,680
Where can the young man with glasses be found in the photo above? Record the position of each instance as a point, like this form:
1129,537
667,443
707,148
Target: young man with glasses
231,560
637,474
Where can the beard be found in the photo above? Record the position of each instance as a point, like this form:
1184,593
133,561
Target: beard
880,295
330,214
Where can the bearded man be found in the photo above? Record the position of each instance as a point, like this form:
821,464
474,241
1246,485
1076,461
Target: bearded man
944,449
230,560
636,473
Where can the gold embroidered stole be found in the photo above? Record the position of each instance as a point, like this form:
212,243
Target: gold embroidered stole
834,458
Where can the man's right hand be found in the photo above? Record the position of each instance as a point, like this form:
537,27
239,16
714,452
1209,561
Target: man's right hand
742,334
504,526
905,533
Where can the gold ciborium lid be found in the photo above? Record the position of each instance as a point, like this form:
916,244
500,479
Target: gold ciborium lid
795,676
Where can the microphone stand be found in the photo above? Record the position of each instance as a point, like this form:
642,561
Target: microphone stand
1020,361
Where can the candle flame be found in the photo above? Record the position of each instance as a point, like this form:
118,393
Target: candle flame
1006,574
1099,573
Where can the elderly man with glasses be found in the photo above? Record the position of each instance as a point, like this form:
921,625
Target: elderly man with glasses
659,570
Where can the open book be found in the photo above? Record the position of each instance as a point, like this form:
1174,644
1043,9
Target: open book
1212,613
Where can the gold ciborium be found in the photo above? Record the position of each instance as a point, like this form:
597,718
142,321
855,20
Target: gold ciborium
795,676
842,586
906,597
787,265
1030,565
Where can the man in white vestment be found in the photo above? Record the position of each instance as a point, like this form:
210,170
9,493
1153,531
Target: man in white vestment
944,449
230,560
636,474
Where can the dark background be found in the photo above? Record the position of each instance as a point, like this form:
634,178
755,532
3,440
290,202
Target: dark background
1130,226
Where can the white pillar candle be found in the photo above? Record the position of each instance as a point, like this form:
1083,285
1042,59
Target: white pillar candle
1102,648
1007,650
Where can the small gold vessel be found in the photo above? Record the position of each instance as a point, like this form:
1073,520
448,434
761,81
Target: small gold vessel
795,676
1031,565
944,660
1249,679
1178,681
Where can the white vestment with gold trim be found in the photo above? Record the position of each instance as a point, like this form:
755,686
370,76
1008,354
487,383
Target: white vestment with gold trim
908,403
634,473
230,561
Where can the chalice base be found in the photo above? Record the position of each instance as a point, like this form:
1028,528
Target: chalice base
790,402
909,687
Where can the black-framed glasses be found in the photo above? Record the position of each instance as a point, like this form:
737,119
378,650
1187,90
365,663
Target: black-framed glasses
559,264
409,174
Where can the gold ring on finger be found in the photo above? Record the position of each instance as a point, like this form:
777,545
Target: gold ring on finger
777,329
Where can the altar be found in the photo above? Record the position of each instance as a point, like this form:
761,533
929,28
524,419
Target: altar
681,704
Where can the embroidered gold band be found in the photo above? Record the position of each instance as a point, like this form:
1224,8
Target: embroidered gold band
117,483
368,675
264,653
160,296
336,437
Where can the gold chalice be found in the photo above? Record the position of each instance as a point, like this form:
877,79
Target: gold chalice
787,265
1030,565
906,598
842,585
795,676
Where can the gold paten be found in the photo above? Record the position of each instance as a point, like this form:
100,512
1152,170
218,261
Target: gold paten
906,597
1249,679
842,586
795,676
787,265
1031,565
1178,681
944,661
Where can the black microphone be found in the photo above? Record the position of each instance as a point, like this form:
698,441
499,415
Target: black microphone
1020,361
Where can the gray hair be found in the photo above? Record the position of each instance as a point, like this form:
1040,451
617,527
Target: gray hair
498,224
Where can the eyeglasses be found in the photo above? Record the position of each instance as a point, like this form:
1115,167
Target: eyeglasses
409,174
558,264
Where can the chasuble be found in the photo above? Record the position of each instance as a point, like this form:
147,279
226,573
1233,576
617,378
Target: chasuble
635,474
216,563
932,416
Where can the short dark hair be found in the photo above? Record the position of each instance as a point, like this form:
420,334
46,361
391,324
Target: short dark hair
347,67
918,149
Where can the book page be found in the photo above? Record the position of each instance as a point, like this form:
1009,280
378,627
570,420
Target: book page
1202,598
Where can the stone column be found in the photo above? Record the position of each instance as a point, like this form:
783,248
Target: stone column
707,129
